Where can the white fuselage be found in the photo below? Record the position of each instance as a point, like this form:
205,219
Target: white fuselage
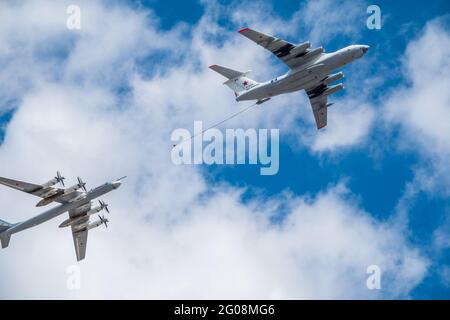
298,79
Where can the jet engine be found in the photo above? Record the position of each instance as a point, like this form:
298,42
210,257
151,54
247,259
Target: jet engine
313,52
333,89
324,90
300,49
333,77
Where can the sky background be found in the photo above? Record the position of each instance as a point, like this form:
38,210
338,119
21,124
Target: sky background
371,188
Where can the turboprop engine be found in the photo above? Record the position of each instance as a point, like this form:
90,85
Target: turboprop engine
76,220
57,179
90,225
54,194
98,223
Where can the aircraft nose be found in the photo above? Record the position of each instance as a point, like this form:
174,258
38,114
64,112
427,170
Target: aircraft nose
117,184
364,49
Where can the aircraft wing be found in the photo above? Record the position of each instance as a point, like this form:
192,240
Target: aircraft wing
318,97
279,47
319,108
38,190
80,236
20,185
80,242
68,197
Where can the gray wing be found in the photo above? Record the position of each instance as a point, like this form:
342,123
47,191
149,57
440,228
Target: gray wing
36,190
21,186
80,242
318,97
80,232
319,108
39,190
279,47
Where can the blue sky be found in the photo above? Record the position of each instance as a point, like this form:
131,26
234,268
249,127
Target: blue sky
382,170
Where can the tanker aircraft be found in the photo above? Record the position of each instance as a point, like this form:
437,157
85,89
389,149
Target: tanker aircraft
309,70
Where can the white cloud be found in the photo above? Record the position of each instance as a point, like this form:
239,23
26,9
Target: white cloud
349,124
441,238
172,235
223,249
326,19
445,275
419,110
421,107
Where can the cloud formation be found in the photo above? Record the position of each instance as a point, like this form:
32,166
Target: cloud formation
421,106
91,110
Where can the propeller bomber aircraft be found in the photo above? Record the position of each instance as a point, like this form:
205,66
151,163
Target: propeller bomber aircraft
76,200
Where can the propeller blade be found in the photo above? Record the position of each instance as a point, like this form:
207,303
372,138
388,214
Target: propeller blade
59,178
82,184
104,221
103,205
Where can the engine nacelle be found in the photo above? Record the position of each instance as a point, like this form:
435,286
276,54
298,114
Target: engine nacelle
89,226
94,210
71,189
300,49
333,89
313,53
333,77
50,197
50,183
81,196
49,193
75,220
82,208
94,224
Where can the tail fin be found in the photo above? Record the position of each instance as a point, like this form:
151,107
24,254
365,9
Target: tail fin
237,80
4,237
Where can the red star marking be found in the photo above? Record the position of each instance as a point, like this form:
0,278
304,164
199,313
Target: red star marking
245,83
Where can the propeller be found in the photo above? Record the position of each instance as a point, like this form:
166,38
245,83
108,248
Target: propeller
104,221
103,205
81,184
59,178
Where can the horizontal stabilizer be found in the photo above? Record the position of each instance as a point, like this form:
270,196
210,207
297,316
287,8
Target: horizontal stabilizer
4,226
237,81
226,72
4,238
